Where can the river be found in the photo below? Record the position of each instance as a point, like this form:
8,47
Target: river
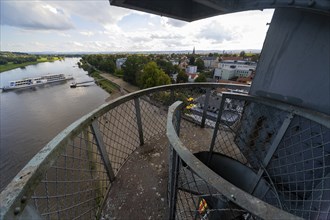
30,118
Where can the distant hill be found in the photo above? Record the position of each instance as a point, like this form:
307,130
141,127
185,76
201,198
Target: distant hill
151,52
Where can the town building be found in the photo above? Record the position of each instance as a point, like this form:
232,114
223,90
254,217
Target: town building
191,69
210,62
234,69
120,62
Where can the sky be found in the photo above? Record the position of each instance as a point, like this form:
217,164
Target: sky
95,26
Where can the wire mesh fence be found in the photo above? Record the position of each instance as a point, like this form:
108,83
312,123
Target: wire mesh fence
72,176
283,152
270,150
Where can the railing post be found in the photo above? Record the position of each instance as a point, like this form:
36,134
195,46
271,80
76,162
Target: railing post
216,128
138,119
206,104
172,96
174,170
101,147
174,173
178,122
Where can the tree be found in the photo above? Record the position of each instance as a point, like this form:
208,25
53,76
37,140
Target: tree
132,67
201,78
200,64
166,66
192,60
182,77
107,65
242,54
152,76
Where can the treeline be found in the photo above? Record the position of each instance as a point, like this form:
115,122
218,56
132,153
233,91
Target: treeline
141,70
18,59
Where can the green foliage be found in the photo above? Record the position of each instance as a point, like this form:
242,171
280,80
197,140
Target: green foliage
103,83
200,64
201,78
242,54
166,66
209,74
152,76
119,73
12,60
103,62
192,60
182,77
132,67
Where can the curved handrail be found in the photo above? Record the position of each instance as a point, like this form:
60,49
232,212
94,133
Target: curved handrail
234,194
13,197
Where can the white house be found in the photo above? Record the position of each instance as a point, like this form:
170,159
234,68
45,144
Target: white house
191,69
120,62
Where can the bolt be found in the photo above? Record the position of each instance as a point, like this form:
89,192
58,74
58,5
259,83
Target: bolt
233,197
17,210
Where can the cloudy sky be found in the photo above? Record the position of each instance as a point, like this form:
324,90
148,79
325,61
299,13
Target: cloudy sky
95,26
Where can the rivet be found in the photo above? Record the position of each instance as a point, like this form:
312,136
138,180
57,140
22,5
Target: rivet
17,210
23,200
233,197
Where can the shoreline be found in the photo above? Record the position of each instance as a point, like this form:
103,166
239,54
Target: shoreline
7,67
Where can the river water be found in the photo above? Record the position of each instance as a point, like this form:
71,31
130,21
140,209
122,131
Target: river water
30,118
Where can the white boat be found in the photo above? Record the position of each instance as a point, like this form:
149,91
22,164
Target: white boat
35,81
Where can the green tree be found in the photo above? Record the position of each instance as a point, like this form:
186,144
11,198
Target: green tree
242,54
152,75
182,77
166,66
201,78
200,64
192,60
132,67
107,64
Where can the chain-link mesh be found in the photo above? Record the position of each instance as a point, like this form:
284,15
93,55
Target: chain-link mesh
300,169
287,152
192,197
119,128
74,186
285,157
197,199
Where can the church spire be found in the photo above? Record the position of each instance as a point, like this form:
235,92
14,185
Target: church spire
193,51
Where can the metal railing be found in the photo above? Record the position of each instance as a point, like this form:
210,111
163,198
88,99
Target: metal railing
266,160
70,178
73,175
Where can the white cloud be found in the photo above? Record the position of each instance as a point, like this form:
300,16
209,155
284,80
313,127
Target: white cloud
87,33
34,15
111,28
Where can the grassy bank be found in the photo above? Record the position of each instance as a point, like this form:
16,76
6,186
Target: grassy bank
11,65
105,84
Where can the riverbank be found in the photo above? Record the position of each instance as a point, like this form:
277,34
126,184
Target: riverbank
11,65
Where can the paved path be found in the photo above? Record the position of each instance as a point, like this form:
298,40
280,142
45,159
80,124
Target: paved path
120,82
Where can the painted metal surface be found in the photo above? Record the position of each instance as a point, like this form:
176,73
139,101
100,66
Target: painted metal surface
138,120
22,186
103,151
190,10
232,193
294,64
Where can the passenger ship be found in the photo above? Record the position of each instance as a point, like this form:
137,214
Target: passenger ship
31,82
